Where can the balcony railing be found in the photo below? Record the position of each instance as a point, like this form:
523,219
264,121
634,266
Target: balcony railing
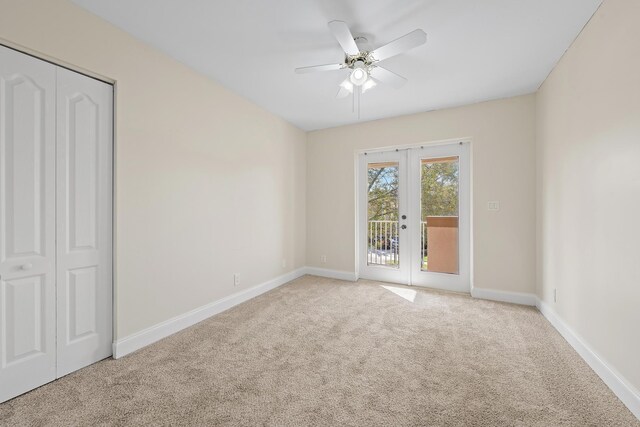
384,243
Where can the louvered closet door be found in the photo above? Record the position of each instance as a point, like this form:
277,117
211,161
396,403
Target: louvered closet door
27,223
84,195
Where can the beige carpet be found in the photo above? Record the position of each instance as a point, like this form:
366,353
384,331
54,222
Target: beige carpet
324,352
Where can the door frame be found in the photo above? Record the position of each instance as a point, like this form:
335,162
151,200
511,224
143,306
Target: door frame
360,204
114,144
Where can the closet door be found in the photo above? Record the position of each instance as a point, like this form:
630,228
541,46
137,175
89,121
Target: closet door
84,220
27,223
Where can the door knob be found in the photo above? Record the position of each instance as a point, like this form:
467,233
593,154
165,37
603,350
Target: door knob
27,266
403,227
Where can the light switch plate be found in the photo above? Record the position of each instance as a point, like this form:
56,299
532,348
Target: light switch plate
493,206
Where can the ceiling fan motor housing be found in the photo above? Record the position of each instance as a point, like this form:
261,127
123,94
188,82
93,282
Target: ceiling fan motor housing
363,57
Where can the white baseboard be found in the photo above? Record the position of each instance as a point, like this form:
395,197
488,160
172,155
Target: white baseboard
489,294
155,333
625,392
331,274
505,296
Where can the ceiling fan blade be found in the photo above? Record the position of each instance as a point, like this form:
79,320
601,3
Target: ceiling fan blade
314,68
389,77
342,33
409,41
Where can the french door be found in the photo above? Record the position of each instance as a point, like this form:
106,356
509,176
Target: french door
413,216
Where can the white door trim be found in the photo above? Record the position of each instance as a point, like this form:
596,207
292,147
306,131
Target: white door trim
55,61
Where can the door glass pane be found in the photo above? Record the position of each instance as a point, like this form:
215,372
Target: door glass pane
439,214
382,214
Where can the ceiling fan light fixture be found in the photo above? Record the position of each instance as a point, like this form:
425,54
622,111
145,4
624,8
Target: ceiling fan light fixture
359,75
347,85
369,84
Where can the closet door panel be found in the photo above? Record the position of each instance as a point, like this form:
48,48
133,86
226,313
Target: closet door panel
27,223
84,159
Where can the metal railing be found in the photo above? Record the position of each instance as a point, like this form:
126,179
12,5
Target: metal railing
383,243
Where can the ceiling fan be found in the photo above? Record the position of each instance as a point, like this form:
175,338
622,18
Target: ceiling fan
365,71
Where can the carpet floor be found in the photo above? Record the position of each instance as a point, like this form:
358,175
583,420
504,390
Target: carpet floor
323,352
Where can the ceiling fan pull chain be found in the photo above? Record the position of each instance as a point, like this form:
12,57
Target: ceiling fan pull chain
353,100
359,95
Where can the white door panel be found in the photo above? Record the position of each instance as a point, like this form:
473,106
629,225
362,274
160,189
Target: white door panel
454,277
27,223
384,254
84,197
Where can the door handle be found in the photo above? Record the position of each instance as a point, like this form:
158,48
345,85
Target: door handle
27,266
403,227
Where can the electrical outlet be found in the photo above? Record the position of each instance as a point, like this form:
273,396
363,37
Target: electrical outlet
555,295
493,206
323,259
236,279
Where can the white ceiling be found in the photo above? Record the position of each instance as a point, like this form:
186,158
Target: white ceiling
476,50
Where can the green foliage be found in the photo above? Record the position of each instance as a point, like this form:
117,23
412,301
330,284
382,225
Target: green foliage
439,191
383,193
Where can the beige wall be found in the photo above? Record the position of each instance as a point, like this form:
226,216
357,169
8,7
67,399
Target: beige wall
588,160
503,169
208,184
